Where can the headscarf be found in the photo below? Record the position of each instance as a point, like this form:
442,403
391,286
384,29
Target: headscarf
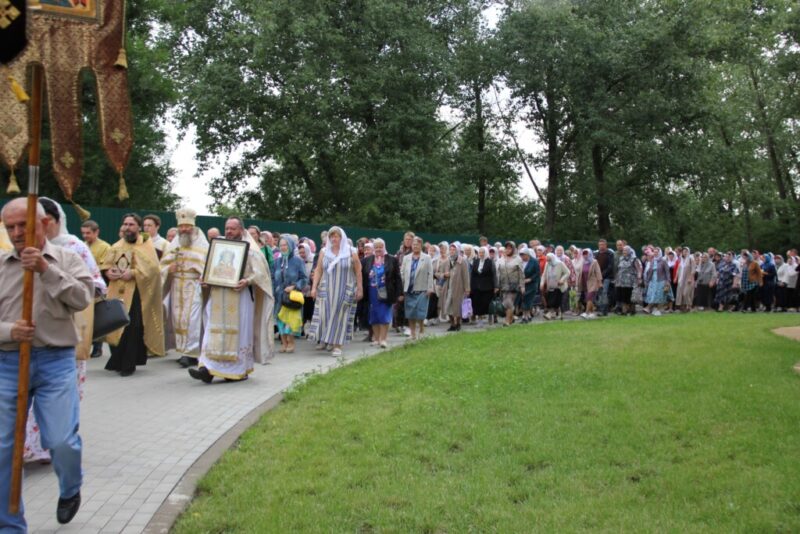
768,259
485,258
309,261
345,250
66,240
379,257
630,251
290,243
590,256
551,259
457,245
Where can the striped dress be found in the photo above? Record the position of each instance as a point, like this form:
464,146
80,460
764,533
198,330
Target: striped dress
335,307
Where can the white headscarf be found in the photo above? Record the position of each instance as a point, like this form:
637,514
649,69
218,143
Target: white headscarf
345,250
67,240
485,258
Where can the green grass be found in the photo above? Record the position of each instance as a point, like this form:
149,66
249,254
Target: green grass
681,424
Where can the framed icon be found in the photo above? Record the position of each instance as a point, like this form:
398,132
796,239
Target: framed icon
225,262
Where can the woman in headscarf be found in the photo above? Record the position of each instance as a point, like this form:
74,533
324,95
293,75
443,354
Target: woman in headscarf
433,300
381,273
657,280
531,281
573,277
511,279
441,278
727,274
307,255
458,286
337,287
787,281
417,274
588,283
706,279
290,275
752,280
58,234
555,280
626,279
770,281
685,278
483,284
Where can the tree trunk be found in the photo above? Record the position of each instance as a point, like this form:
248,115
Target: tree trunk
769,136
748,224
553,168
480,146
603,217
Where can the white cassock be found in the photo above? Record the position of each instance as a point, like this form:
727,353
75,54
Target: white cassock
184,295
239,324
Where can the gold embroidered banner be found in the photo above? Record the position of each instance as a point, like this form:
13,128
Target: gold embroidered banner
66,37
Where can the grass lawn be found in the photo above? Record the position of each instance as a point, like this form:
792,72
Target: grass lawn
679,423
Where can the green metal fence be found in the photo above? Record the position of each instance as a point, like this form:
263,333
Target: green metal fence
110,220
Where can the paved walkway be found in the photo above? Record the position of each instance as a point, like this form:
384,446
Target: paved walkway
141,434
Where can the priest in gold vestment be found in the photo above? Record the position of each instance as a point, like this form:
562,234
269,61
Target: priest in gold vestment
181,272
238,321
134,274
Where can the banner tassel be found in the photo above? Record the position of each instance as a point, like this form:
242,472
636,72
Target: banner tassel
13,185
123,189
18,91
82,213
122,59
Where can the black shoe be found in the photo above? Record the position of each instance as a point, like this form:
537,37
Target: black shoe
237,379
67,508
127,373
451,329
97,354
201,374
183,361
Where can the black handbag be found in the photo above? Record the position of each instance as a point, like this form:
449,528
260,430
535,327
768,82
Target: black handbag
109,315
287,301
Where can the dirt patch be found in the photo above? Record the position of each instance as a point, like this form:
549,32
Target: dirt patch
792,332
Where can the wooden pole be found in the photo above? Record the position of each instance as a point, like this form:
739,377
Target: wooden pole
27,292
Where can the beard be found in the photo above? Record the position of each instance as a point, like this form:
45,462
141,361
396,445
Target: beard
185,240
131,237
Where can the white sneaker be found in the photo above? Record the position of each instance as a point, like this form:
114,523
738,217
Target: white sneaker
425,322
384,345
406,331
592,316
656,313
584,315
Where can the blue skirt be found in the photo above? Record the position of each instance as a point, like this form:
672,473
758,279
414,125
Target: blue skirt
379,312
416,306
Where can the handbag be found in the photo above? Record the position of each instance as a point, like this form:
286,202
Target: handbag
109,315
292,300
466,308
383,295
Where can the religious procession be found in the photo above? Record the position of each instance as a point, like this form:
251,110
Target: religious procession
219,305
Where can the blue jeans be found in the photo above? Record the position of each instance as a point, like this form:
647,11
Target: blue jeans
53,383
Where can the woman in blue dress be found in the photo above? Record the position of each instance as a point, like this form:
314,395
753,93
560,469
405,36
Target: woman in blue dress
381,274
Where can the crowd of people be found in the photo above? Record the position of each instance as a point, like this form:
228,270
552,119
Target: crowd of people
289,287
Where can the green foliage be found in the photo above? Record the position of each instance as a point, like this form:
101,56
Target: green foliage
650,422
666,120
